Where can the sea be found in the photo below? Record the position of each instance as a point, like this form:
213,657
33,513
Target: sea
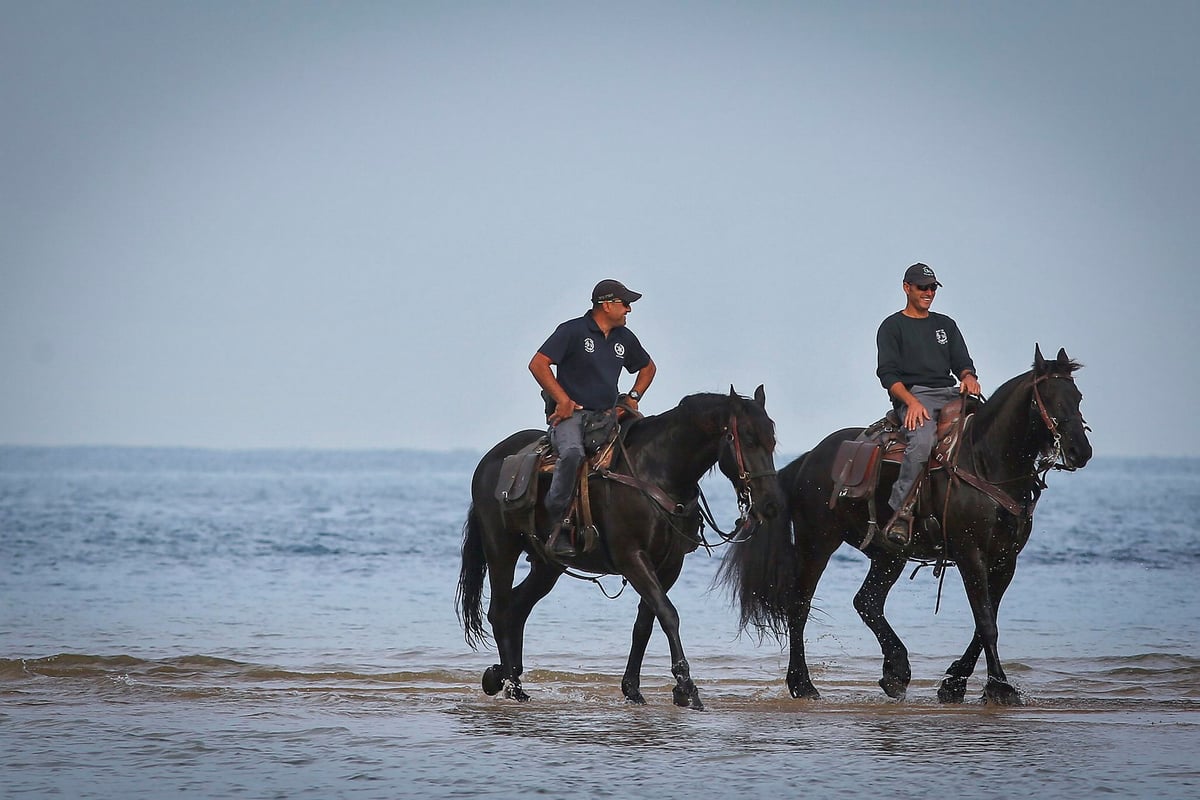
281,624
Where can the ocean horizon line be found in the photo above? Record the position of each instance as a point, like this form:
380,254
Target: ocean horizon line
455,450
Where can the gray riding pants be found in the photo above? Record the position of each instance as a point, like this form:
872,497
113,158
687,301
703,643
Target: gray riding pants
567,440
920,441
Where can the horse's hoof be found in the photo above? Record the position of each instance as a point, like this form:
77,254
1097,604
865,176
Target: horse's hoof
632,693
893,687
687,698
492,680
803,690
952,689
513,691
1001,693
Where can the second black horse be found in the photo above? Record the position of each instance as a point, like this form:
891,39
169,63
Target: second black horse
985,509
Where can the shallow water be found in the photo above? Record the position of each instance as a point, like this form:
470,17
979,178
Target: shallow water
282,625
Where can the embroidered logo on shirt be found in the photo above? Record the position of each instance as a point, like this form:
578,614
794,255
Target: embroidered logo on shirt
619,349
942,338
589,345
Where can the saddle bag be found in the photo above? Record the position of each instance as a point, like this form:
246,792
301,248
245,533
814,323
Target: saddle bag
855,470
517,472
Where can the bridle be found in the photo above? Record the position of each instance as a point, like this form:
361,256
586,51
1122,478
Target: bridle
742,484
742,481
1053,457
1050,458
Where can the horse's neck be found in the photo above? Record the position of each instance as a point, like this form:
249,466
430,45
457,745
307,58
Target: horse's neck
672,450
1005,441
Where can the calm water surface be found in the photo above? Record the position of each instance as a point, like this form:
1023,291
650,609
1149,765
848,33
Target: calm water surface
281,624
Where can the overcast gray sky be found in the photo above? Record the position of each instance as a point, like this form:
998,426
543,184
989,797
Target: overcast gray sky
243,225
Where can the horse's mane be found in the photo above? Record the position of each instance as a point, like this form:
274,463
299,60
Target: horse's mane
714,403
1010,387
711,408
1072,366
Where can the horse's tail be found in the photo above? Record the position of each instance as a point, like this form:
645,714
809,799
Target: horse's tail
468,600
761,571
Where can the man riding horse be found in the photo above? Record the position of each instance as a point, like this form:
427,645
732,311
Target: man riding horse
589,352
920,352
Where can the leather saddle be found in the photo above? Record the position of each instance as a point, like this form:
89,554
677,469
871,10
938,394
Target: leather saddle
856,464
520,472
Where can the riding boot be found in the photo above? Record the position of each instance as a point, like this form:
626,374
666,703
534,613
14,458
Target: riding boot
559,543
898,533
559,531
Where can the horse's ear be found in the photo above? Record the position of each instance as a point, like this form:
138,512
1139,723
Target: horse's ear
1039,363
1063,360
760,396
732,393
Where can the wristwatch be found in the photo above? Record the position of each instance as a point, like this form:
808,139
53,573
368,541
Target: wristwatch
635,395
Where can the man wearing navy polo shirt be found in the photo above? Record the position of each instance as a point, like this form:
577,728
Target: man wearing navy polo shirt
589,353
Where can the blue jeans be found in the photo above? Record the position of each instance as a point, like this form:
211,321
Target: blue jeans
920,441
567,440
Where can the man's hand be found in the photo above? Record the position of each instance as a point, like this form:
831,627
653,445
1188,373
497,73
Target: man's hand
915,415
970,385
562,410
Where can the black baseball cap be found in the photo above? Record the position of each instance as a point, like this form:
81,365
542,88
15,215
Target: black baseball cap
920,275
609,289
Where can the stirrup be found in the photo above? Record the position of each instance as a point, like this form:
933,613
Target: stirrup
589,537
899,530
559,542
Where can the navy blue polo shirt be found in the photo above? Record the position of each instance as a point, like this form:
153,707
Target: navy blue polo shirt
589,364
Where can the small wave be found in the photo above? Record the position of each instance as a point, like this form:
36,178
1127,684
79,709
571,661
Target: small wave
1164,681
205,668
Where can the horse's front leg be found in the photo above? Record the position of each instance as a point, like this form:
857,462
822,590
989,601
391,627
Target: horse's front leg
953,687
984,605
631,682
652,586
869,603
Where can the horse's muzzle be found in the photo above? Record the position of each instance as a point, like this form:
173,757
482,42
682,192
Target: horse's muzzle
1077,455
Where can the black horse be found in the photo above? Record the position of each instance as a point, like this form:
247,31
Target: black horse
647,511
984,503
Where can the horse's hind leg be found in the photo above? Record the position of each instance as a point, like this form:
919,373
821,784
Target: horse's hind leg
869,602
503,676
508,611
812,566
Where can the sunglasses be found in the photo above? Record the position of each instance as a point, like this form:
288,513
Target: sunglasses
615,300
930,288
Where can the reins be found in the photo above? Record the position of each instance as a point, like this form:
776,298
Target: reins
675,510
